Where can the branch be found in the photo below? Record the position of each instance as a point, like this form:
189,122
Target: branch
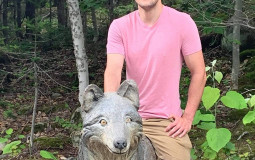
53,79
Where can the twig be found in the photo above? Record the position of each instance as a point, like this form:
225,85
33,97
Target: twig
2,82
52,78
249,147
20,78
248,90
243,134
35,103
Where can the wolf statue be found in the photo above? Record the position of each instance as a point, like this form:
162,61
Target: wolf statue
112,127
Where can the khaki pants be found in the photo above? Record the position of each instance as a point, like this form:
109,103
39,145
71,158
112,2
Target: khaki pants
167,148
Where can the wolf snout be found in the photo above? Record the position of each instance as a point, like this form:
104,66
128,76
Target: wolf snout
120,144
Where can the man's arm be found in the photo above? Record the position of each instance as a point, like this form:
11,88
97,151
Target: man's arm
112,74
182,125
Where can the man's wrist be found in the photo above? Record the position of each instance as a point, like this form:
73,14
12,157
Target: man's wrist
188,116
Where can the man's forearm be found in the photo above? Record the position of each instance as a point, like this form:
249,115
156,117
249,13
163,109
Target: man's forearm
111,81
195,92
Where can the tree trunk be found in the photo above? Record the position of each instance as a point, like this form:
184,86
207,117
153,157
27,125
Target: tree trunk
84,20
30,15
236,44
94,21
61,13
111,7
18,33
5,22
1,15
78,43
14,12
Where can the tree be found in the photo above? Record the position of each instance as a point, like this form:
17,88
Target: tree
236,43
18,33
30,15
78,44
94,21
111,8
5,22
61,13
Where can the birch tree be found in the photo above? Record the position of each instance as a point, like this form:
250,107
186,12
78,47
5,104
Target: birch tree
78,44
236,43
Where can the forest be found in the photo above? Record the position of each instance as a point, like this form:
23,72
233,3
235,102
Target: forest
50,50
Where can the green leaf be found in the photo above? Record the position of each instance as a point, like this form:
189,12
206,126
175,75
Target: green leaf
206,125
207,68
218,76
47,155
7,136
21,136
196,119
2,140
234,100
251,102
210,154
207,117
249,117
210,96
22,146
9,131
8,148
230,146
192,154
213,62
218,138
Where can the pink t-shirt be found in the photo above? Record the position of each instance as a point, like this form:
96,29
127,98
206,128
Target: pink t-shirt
154,56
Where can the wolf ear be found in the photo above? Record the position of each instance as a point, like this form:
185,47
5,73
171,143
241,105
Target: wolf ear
91,95
129,90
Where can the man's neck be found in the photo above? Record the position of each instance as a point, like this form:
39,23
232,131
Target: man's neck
150,15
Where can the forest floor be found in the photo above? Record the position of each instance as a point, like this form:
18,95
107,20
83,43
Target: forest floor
57,123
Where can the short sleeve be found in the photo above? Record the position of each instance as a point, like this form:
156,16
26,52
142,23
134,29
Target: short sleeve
114,40
190,37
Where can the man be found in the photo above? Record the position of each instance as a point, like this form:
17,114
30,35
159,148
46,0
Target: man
153,41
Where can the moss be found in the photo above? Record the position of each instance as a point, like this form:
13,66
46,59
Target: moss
39,127
53,142
47,108
248,79
247,54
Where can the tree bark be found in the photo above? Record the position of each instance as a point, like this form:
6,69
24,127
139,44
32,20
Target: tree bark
61,13
5,22
30,15
78,43
111,7
94,21
84,23
236,44
14,12
18,33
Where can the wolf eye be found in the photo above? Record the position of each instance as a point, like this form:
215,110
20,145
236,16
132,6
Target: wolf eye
128,120
103,122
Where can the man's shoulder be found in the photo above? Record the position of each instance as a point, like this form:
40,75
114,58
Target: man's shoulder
177,14
124,20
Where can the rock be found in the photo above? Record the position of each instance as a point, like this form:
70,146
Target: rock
56,95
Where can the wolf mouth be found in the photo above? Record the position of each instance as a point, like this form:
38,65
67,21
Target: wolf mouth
119,153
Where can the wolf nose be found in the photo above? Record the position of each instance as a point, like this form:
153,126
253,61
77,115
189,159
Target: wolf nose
120,144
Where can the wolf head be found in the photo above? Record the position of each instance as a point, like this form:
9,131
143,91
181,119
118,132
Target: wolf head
111,120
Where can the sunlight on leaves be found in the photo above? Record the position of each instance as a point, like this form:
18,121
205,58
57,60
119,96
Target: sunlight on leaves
218,138
234,100
249,117
218,76
210,96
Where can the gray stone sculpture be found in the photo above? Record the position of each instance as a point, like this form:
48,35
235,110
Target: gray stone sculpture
112,127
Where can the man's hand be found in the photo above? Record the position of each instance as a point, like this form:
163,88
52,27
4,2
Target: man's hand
180,126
